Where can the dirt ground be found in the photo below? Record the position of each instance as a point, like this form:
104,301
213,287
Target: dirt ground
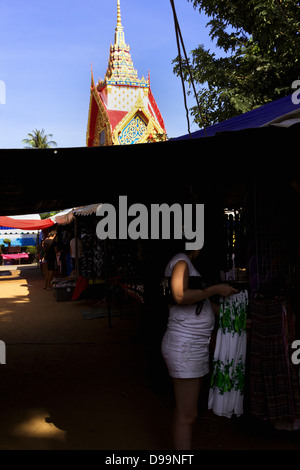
72,382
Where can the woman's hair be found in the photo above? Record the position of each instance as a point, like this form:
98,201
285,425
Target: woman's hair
176,246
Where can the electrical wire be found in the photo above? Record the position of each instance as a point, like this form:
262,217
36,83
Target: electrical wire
179,36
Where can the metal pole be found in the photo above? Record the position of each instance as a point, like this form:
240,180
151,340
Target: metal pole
107,282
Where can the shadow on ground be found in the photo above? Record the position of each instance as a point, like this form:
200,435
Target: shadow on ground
74,383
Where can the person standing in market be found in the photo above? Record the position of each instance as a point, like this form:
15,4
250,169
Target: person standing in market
185,345
50,247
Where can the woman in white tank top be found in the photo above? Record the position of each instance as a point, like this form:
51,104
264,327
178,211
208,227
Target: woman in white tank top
185,345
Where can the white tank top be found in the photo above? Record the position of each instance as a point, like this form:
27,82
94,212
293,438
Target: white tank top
183,318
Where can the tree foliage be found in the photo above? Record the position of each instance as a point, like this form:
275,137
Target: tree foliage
47,215
259,43
38,139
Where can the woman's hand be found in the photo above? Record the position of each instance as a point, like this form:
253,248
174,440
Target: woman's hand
225,290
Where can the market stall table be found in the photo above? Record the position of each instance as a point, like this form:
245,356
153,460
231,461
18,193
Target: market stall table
12,256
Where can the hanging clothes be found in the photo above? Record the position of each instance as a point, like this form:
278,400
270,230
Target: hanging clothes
226,394
274,388
98,259
92,260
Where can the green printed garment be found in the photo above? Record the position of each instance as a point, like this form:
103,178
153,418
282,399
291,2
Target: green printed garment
226,394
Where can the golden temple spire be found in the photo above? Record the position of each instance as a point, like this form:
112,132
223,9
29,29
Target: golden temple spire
120,70
118,14
119,34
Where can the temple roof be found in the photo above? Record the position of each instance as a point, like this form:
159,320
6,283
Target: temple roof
115,117
122,97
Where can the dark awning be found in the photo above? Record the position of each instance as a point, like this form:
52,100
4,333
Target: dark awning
154,172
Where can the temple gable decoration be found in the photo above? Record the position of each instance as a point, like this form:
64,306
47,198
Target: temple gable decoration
122,108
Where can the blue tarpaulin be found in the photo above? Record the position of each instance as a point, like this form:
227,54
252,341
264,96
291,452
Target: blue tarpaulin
258,117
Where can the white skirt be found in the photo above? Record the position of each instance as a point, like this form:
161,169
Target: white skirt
185,345
186,358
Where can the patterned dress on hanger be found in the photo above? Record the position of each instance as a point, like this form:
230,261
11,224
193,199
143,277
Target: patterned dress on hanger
228,376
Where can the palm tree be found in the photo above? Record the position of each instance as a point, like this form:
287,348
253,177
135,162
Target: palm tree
39,140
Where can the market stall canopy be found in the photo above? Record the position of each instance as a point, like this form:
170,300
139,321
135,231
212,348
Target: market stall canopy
66,216
63,217
25,224
8,230
284,112
86,210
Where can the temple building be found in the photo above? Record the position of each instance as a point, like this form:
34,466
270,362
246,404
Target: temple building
122,107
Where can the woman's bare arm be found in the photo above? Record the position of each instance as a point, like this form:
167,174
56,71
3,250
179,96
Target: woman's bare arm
185,296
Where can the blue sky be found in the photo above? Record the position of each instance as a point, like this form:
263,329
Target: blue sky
46,52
